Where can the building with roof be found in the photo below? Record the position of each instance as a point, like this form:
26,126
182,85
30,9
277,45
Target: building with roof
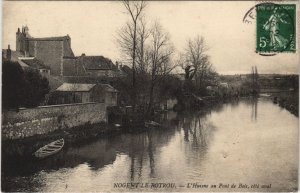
69,93
11,55
50,50
91,66
56,54
31,62
25,62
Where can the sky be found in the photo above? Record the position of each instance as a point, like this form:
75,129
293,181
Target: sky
93,26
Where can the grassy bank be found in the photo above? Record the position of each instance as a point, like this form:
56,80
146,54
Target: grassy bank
289,101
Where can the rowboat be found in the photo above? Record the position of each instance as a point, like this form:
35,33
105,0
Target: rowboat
50,149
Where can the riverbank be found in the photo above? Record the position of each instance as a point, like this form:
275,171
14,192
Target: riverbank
86,132
131,123
288,100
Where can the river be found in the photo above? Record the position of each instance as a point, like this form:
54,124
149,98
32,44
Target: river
244,142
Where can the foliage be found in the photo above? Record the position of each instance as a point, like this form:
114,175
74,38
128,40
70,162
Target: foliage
13,84
169,87
36,88
22,88
199,72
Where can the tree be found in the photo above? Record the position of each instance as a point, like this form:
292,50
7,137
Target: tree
22,88
128,36
143,34
13,84
159,54
36,87
196,63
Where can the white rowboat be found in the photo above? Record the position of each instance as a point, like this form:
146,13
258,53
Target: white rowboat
50,149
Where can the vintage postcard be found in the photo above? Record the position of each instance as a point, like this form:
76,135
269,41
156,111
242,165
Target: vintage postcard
150,96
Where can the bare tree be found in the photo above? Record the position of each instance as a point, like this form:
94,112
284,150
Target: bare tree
125,41
143,34
128,36
196,62
159,57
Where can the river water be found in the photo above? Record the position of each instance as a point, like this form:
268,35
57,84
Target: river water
244,143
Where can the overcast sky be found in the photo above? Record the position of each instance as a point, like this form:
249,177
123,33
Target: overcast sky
92,27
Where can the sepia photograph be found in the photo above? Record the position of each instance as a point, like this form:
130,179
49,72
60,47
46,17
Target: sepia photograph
150,96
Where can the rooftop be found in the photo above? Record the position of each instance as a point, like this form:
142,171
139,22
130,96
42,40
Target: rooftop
96,63
59,38
14,54
35,63
70,87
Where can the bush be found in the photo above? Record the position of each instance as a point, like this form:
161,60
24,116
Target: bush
22,88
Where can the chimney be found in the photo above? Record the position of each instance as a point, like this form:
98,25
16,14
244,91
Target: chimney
117,64
83,54
8,53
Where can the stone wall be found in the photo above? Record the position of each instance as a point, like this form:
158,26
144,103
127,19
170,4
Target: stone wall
45,119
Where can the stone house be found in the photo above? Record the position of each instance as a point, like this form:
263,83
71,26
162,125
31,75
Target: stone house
35,64
57,54
25,62
69,93
91,66
50,50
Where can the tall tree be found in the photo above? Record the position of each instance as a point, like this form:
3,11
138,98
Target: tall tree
143,35
128,36
159,54
196,62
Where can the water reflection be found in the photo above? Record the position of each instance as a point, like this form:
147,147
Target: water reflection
192,147
254,102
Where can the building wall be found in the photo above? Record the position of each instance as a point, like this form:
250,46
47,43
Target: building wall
42,120
20,42
98,94
109,73
72,67
51,53
86,97
69,67
67,47
111,98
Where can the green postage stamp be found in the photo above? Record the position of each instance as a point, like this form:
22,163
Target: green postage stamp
275,28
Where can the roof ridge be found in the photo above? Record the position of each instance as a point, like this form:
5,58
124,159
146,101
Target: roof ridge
54,38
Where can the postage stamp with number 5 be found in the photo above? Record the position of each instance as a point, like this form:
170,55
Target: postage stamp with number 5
275,28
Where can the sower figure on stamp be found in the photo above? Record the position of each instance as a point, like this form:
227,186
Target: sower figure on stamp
272,25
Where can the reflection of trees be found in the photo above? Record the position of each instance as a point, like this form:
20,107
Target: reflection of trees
254,102
151,155
197,130
234,103
141,149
